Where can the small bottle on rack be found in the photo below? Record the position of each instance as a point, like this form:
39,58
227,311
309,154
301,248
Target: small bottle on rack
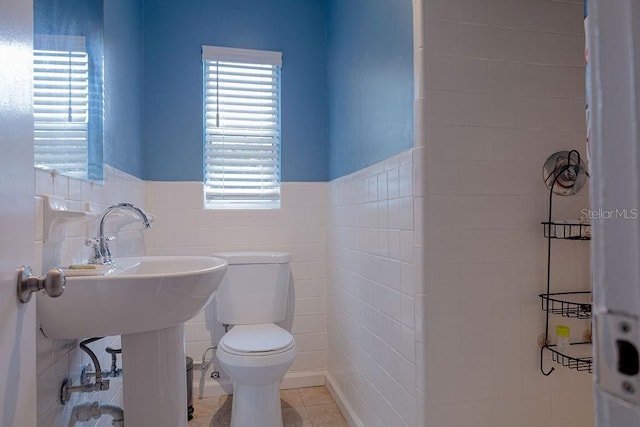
562,339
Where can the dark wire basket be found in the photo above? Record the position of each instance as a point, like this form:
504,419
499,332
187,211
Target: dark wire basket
576,305
567,230
581,362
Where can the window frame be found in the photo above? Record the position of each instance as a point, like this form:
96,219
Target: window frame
241,124
51,100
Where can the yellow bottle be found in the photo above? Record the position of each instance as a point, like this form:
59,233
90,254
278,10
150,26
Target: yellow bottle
562,339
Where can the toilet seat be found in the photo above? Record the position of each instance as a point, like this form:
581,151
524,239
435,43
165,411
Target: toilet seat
256,340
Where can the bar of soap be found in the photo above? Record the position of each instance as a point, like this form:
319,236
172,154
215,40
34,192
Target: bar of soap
83,267
87,270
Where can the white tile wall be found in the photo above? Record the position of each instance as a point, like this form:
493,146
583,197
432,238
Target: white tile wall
505,89
57,359
299,227
372,313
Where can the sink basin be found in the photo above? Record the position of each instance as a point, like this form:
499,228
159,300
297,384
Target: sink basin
146,300
138,294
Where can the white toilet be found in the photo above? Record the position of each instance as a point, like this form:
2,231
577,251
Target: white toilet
255,352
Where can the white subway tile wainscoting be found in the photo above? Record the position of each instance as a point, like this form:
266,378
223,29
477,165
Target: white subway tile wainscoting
372,288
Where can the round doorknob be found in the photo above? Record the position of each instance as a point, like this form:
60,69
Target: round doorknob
53,283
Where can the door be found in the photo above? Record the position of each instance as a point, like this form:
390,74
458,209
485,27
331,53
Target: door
17,321
614,38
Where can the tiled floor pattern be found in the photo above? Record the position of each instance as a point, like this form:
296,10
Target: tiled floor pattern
301,407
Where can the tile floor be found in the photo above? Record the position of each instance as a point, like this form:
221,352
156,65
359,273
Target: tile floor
301,407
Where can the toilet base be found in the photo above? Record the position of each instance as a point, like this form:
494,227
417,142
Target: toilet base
256,405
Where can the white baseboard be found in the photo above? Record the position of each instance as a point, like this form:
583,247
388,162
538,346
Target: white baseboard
344,406
219,387
303,379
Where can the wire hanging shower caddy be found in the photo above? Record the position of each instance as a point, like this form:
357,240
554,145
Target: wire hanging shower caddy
564,174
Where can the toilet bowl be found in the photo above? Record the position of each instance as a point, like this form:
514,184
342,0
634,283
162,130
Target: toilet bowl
256,357
255,353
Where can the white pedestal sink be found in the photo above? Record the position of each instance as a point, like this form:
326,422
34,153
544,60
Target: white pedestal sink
146,300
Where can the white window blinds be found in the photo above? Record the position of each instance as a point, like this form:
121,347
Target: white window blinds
242,128
61,103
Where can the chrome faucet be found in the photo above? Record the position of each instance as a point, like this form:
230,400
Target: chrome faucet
100,243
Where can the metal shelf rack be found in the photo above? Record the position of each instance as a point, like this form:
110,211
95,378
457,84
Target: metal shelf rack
575,305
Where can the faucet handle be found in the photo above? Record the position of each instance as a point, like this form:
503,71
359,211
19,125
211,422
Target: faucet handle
95,241
92,241
101,253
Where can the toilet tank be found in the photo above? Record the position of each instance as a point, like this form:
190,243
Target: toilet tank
254,289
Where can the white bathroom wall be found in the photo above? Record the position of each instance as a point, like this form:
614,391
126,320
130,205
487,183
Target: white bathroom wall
58,359
505,89
183,226
372,283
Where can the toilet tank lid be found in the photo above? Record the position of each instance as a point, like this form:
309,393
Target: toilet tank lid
255,257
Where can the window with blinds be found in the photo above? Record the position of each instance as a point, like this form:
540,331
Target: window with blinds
61,104
241,128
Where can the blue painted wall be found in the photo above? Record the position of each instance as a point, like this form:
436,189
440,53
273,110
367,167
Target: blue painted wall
123,46
370,82
347,95
174,32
